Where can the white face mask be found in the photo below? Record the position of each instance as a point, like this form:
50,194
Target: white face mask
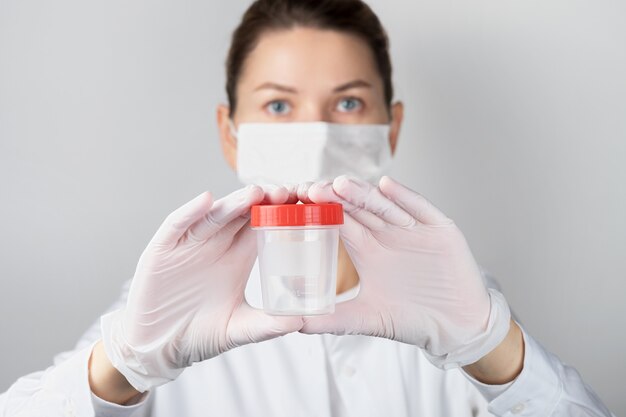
288,153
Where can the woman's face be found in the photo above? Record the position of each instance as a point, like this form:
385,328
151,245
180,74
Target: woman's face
307,75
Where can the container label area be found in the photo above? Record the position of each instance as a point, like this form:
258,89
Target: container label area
292,258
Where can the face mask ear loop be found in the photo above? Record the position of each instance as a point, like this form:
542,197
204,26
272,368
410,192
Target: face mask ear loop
233,130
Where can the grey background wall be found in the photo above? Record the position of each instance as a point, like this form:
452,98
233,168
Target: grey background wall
515,127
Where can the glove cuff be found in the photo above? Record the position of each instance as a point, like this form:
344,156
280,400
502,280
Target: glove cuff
497,329
144,369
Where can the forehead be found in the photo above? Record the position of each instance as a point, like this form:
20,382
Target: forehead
308,58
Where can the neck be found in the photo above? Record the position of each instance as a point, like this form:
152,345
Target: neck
347,276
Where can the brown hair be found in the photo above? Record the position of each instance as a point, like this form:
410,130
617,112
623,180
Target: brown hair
350,16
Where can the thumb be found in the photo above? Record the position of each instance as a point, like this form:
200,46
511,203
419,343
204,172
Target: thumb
252,325
352,231
350,317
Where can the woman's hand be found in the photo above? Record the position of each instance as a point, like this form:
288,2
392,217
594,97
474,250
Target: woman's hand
419,282
186,302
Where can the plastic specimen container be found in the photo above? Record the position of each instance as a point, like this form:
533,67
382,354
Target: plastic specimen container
297,248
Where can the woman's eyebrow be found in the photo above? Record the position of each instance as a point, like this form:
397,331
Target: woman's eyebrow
275,86
352,84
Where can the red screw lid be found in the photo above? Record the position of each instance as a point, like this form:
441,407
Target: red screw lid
296,215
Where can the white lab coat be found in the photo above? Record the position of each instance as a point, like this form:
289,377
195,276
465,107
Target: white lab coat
311,375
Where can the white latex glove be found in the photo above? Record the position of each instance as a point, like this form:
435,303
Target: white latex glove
419,282
186,301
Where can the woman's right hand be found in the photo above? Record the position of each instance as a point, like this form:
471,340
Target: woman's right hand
186,302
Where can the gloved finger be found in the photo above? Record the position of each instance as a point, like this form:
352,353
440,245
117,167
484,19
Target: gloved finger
302,192
274,194
177,222
412,202
292,190
362,194
279,194
356,222
323,192
350,317
225,210
250,325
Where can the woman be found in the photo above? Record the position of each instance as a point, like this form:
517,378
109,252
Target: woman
445,343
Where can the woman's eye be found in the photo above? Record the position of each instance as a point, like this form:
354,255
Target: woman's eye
349,104
278,107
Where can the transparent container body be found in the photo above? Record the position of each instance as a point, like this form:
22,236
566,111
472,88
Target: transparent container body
298,267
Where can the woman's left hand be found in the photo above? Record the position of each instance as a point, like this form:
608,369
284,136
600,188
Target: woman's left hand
419,282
